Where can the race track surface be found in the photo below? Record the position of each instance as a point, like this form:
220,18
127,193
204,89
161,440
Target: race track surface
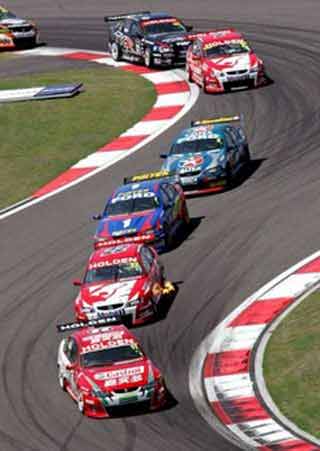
241,238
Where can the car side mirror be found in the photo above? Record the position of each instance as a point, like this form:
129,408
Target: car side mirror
189,27
163,155
77,283
97,217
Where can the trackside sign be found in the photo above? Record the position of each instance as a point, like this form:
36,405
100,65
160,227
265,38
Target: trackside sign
41,92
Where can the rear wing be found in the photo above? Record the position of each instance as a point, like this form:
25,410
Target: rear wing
157,175
121,17
220,120
99,322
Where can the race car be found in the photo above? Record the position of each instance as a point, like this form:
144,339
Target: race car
209,155
6,39
151,38
148,208
223,60
124,282
105,369
22,32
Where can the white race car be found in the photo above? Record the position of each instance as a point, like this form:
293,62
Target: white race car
21,32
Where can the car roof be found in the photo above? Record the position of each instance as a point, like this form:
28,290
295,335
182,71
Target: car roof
222,35
91,338
113,253
155,16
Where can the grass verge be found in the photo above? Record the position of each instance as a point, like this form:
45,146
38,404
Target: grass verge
292,365
41,139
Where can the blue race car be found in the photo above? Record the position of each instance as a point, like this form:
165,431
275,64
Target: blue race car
148,208
208,155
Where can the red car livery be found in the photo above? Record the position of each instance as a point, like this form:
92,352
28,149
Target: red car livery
223,60
6,38
124,283
105,369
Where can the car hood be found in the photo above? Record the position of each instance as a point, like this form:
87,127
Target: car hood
119,226
193,162
121,376
169,38
110,293
235,62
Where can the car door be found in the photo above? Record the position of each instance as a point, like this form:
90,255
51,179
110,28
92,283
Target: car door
70,350
232,151
137,39
167,208
127,42
196,61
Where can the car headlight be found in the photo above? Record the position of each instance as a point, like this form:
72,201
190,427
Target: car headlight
134,301
86,308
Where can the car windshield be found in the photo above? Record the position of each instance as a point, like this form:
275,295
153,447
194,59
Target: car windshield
122,206
198,145
4,15
110,356
226,48
162,26
114,272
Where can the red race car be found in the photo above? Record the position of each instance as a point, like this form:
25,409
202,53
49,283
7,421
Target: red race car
124,283
105,369
223,60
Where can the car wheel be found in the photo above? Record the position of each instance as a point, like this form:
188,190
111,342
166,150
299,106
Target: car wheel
62,381
148,59
204,86
186,217
246,155
115,51
189,73
229,177
81,404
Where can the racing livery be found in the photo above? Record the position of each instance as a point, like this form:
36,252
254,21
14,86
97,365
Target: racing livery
149,208
151,38
6,38
125,283
105,369
208,155
20,32
223,60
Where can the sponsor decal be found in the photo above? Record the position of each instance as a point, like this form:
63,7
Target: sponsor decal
132,239
115,261
193,162
242,42
150,176
158,21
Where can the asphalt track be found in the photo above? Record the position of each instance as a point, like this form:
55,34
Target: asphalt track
241,239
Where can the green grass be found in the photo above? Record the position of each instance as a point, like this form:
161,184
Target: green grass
292,365
41,139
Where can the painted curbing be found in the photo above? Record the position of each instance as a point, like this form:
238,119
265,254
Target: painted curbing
175,97
228,367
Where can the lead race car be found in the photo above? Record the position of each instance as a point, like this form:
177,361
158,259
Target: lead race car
125,283
16,32
105,369
149,208
220,61
152,38
209,155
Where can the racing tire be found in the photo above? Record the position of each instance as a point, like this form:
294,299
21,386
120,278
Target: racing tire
148,58
229,178
62,381
246,157
81,404
115,52
190,79
204,86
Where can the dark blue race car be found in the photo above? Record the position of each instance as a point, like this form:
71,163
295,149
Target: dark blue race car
208,155
148,208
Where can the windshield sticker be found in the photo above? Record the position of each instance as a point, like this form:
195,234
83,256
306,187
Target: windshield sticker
199,133
137,194
114,262
211,45
157,21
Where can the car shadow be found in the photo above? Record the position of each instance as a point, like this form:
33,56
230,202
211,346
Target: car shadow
244,174
135,410
185,233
